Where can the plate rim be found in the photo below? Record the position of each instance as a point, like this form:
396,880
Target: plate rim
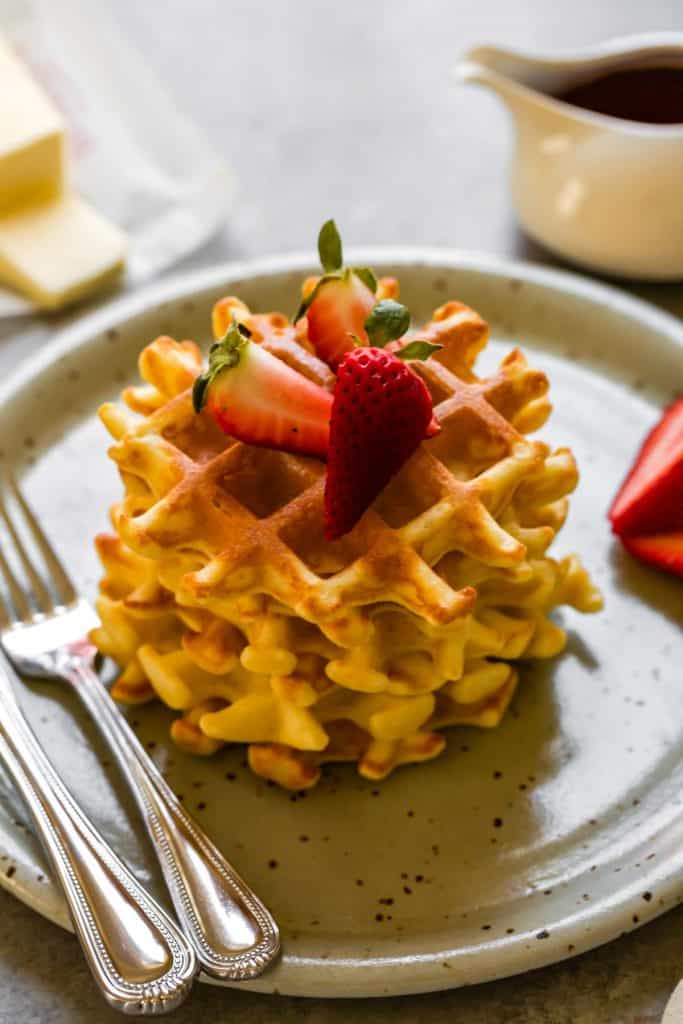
420,972
181,284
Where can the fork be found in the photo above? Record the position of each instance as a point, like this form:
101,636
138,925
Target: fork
142,963
233,934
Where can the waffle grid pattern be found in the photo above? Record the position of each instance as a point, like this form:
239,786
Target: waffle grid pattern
222,597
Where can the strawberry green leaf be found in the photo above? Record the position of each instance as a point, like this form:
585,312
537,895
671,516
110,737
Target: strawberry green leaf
386,322
305,303
419,350
330,247
303,306
367,277
223,355
199,389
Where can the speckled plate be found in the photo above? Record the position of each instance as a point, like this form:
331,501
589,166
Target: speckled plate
518,847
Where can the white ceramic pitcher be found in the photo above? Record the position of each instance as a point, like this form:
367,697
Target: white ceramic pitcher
603,192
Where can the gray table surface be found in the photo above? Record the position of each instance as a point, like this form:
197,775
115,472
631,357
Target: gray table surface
345,108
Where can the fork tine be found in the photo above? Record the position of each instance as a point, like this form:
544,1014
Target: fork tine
61,581
21,605
40,591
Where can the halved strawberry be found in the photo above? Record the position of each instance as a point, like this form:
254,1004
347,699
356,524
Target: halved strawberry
257,398
664,550
337,307
651,498
337,315
380,414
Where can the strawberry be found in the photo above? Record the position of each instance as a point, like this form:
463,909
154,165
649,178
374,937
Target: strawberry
651,497
257,398
337,314
664,550
381,412
336,308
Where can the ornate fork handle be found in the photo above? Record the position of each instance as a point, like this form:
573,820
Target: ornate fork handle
140,960
233,933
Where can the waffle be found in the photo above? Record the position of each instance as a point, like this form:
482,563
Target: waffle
222,598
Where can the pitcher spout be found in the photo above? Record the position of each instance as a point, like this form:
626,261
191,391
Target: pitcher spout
508,74
491,60
506,71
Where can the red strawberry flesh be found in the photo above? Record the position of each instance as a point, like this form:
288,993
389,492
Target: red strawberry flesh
381,412
663,550
257,398
337,313
651,498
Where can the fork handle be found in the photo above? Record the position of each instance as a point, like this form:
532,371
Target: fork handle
234,935
142,963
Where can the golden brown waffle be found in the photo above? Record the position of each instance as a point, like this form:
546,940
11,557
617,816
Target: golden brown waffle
222,597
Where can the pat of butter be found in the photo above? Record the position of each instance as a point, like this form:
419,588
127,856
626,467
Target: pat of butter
31,135
57,250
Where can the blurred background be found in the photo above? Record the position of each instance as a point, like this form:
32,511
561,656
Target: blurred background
319,109
350,110
311,109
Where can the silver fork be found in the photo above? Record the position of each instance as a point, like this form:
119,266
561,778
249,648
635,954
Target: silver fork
139,958
233,934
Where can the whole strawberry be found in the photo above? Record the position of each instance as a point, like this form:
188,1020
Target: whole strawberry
381,412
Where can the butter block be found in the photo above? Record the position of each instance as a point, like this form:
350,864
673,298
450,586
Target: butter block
31,135
57,250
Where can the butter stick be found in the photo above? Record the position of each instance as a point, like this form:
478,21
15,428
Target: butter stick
31,135
57,250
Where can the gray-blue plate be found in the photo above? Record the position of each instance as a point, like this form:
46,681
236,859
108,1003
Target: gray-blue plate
408,886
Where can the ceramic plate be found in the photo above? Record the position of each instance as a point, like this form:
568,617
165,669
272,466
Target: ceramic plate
519,846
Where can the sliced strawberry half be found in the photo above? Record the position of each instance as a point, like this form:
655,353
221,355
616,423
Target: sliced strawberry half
337,315
338,305
381,412
257,398
651,498
664,550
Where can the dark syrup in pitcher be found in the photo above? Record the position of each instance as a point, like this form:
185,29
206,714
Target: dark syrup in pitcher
648,95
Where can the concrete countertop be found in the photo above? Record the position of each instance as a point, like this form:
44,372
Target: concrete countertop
346,110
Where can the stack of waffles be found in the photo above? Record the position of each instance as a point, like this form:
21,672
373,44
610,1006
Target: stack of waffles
222,598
